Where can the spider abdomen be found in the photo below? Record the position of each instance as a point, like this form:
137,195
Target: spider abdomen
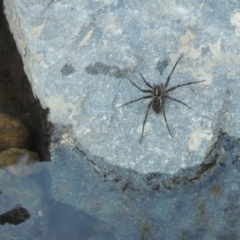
157,102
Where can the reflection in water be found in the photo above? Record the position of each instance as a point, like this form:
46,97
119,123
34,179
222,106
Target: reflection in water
204,208
198,203
15,216
65,222
146,233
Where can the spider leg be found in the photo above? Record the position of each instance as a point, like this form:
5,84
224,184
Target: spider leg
176,100
165,118
145,119
149,85
144,97
135,85
181,85
170,74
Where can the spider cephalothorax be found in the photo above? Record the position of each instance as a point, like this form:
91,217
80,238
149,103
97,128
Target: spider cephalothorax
159,93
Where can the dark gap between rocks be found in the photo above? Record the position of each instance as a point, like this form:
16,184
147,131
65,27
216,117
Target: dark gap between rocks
16,96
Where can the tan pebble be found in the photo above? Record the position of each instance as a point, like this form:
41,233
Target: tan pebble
13,133
20,162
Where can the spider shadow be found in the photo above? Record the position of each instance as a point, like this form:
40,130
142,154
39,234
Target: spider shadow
126,185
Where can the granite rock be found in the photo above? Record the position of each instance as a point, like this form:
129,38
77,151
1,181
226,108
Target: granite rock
77,64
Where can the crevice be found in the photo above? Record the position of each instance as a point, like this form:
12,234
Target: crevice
16,97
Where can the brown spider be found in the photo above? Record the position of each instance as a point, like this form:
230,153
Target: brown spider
159,93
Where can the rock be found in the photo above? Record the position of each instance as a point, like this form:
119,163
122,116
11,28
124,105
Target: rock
20,162
13,133
112,49
109,44
14,216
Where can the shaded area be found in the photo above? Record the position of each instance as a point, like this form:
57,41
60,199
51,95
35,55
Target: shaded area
101,68
16,96
67,69
196,203
65,222
226,149
161,65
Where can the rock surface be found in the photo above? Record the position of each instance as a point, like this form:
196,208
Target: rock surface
106,42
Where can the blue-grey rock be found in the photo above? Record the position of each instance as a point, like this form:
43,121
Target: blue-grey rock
77,57
104,43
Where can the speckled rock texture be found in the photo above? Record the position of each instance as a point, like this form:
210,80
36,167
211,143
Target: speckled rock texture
77,58
78,55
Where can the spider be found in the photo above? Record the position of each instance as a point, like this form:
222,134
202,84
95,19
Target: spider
158,93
